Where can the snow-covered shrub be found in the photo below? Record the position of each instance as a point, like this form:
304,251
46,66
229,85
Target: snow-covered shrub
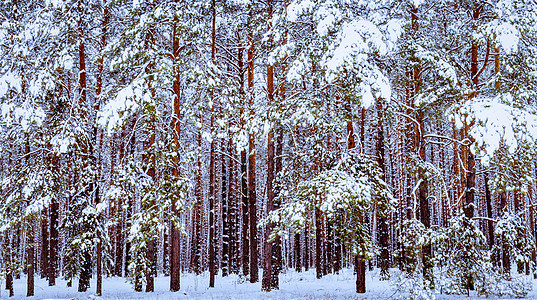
463,262
352,188
151,200
513,236
497,285
412,237
462,258
411,285
409,281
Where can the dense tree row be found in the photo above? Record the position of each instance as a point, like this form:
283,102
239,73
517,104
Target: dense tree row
153,137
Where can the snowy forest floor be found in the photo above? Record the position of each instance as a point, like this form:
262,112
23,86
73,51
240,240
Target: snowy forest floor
293,285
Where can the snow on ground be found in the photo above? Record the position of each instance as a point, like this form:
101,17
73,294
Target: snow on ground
293,285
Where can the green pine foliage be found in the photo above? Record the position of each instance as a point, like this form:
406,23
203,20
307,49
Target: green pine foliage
345,193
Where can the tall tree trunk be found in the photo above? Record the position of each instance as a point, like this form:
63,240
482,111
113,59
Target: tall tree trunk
297,250
252,198
318,246
118,268
267,269
470,159
175,235
149,160
532,227
212,175
99,288
245,261
384,260
358,259
277,243
488,201
53,252
44,243
225,216
506,262
338,260
422,178
100,67
425,214
9,283
197,233
234,228
306,261
30,262
85,271
30,253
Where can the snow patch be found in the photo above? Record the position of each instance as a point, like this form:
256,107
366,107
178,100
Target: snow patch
116,111
498,123
508,36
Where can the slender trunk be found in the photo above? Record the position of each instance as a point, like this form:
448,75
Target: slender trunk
360,274
99,285
337,255
85,271
470,162
252,198
306,250
277,243
358,259
100,67
245,260
488,201
129,206
212,239
233,253
245,217
297,250
9,284
318,246
175,235
384,260
324,260
422,178
267,269
30,254
149,275
149,160
53,252
225,217
30,263
506,262
44,244
118,270
532,227
212,176
424,205
196,245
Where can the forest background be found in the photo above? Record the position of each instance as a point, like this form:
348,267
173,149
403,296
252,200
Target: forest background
164,137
